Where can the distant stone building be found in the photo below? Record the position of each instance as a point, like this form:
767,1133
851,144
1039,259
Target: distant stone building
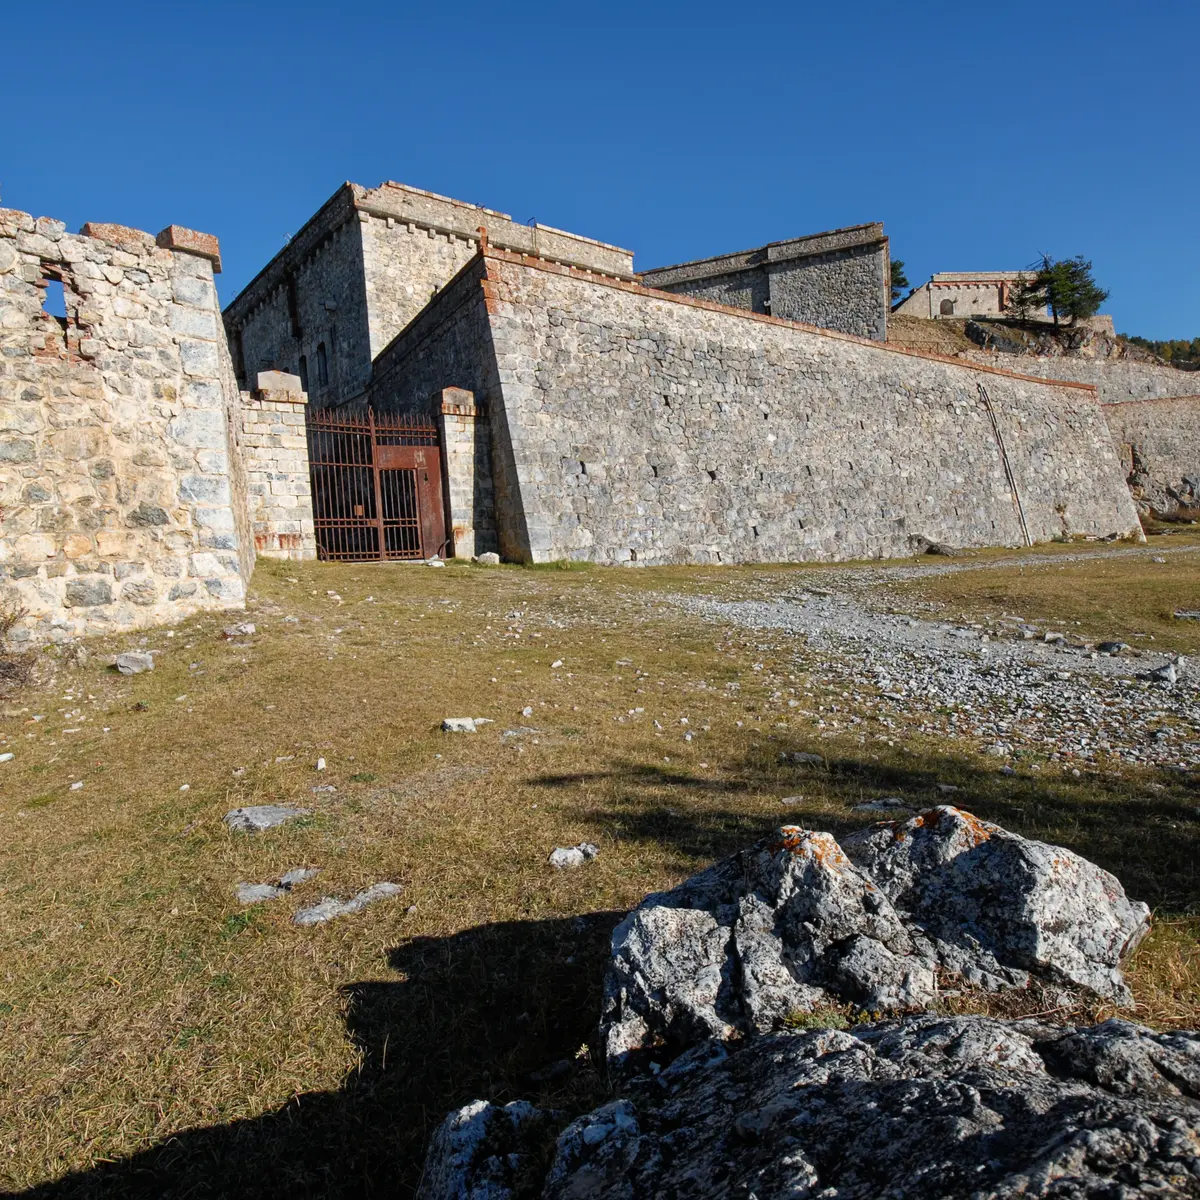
836,280
976,294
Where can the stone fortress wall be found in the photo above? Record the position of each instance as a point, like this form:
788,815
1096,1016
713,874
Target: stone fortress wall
1159,444
633,425
837,280
361,269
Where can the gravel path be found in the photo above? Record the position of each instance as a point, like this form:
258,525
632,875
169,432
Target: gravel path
1000,684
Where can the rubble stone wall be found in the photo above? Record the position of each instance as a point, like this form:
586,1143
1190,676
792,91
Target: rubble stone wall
1159,445
273,445
1115,380
653,429
115,469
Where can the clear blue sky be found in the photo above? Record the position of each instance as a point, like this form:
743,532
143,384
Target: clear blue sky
981,135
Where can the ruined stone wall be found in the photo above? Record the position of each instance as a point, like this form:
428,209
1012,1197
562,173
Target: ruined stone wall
115,470
1159,444
650,429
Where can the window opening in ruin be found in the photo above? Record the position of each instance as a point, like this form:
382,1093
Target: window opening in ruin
712,476
304,373
55,301
947,308
322,366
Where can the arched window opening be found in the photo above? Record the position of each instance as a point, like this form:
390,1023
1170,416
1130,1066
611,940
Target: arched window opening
947,308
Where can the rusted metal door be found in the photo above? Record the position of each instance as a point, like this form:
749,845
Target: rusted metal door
376,486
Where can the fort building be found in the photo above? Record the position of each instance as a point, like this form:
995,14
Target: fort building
836,280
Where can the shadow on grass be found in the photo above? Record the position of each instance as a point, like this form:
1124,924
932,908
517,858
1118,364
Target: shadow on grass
1145,832
496,1012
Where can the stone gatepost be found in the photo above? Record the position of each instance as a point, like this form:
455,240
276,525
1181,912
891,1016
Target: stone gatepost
274,448
457,416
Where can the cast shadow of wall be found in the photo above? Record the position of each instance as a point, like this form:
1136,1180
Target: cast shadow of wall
496,1012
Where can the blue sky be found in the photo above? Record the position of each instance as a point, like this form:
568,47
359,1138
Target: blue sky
981,135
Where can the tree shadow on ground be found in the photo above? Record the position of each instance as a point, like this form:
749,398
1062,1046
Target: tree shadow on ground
495,1012
1146,832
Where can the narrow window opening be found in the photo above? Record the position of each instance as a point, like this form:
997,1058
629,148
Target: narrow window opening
55,301
322,366
582,468
712,476
633,556
755,529
667,401
654,469
304,373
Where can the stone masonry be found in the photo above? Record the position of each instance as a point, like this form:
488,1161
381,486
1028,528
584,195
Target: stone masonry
836,280
628,425
273,446
117,488
1159,444
361,269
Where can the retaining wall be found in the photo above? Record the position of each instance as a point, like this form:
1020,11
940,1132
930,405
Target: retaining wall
1159,444
653,428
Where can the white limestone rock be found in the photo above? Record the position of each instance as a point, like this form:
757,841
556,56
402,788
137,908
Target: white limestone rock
258,817
566,858
329,906
797,923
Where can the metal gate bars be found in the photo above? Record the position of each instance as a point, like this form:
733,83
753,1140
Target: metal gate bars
376,487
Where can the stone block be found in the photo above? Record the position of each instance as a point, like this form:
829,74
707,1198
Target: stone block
200,358
198,429
119,234
87,591
187,289
193,322
189,241
278,381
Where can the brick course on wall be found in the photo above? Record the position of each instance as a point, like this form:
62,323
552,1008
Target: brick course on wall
115,470
1159,444
628,425
1115,380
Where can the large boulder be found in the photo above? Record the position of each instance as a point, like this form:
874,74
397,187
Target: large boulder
925,1107
797,923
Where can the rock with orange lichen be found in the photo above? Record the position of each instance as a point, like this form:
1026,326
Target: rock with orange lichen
1001,908
786,926
798,922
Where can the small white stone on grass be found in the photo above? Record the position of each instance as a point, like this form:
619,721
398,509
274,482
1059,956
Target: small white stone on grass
245,629
76,786
256,893
7,756
886,804
558,662
488,558
263,816
568,857
320,764
330,907
527,711
458,725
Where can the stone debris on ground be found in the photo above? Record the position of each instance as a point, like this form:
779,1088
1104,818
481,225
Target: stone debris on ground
565,858
133,662
985,683
798,923
489,558
924,1108
242,629
256,893
459,725
892,805
258,817
329,907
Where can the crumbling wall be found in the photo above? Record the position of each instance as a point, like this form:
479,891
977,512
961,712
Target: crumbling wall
1159,444
115,468
654,429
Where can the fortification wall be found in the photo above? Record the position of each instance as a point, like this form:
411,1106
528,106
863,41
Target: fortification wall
448,349
654,429
1115,380
836,280
115,467
310,319
1159,445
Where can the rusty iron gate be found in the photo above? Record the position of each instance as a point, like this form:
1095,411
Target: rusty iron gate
376,487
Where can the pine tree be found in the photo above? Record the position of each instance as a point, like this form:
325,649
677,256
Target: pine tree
1067,288
899,279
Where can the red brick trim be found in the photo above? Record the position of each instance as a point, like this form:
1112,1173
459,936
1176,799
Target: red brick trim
541,264
1153,400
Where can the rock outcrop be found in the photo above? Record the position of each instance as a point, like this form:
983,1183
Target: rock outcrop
925,1107
798,923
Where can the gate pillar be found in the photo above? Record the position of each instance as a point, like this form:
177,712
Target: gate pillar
457,416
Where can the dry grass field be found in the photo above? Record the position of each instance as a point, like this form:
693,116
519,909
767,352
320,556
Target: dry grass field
157,1038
